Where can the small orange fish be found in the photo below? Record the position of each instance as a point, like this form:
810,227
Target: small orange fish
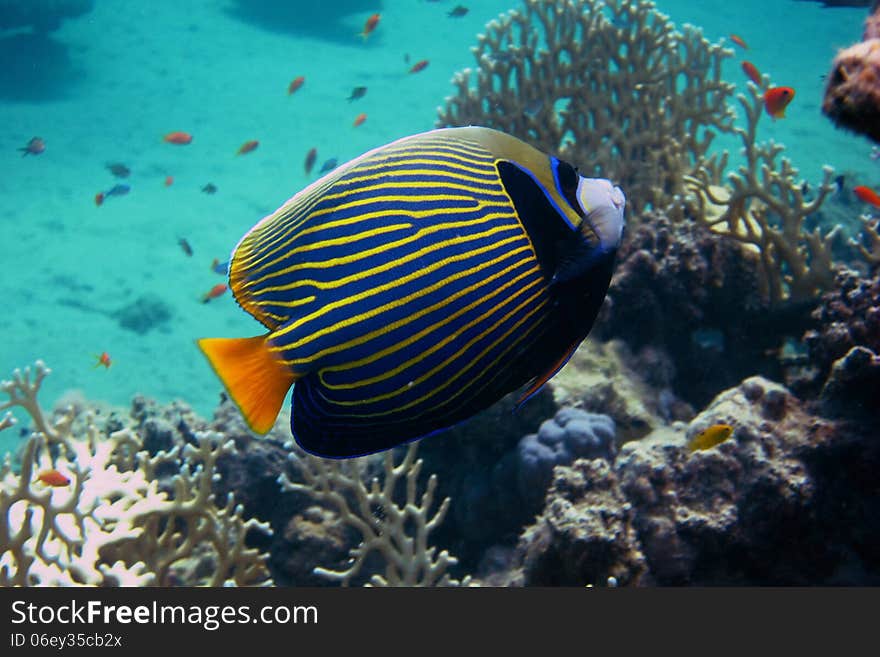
169,181
295,84
419,66
776,99
104,359
99,198
179,138
359,119
738,40
370,25
248,146
311,156
867,195
752,72
214,292
52,478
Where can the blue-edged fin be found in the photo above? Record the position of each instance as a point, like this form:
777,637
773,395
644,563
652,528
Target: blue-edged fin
254,377
539,381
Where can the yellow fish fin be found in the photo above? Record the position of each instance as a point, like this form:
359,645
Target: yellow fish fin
254,377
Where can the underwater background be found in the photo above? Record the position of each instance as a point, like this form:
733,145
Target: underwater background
102,87
107,85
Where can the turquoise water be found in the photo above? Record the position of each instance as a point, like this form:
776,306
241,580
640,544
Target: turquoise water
107,86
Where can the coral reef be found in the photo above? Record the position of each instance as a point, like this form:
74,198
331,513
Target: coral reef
852,88
472,462
790,498
586,533
633,389
610,86
615,88
395,529
853,388
763,206
692,299
116,521
848,316
41,15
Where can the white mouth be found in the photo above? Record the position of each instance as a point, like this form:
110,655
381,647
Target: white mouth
603,204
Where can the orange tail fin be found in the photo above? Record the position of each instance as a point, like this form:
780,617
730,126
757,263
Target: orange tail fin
254,377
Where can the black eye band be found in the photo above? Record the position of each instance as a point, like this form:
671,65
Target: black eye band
567,179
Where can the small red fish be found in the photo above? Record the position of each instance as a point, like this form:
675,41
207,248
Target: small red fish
419,66
248,146
295,84
738,40
179,138
99,198
752,72
867,195
52,478
370,25
34,147
214,292
359,119
776,99
104,359
169,181
311,156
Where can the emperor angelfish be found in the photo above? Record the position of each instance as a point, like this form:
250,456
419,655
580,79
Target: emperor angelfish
415,286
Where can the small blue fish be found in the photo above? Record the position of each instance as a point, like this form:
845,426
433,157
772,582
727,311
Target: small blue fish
329,165
220,267
118,190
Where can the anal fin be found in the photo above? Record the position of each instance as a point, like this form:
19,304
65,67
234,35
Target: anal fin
539,381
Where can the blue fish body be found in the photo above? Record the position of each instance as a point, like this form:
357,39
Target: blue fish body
118,190
415,286
329,165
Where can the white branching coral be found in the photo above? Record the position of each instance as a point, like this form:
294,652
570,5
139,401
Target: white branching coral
112,524
762,204
609,85
397,530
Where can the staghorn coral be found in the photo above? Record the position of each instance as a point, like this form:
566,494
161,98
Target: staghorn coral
113,524
869,245
396,530
763,205
611,86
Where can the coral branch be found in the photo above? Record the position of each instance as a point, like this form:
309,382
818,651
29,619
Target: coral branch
763,206
112,525
398,531
611,86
